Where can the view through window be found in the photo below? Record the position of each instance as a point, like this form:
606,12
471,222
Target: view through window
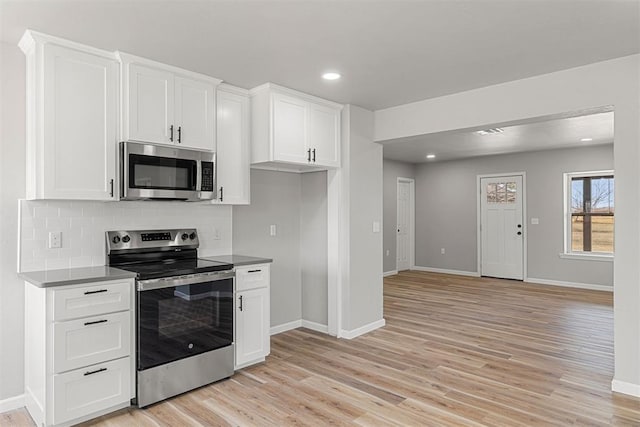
591,212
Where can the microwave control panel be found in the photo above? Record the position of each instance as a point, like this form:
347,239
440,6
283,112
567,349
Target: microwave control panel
206,183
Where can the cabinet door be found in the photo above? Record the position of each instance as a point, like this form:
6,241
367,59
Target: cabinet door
323,133
195,114
150,108
232,152
80,125
289,129
252,326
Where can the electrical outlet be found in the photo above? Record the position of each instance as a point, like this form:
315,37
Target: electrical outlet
216,234
535,221
376,226
272,230
387,252
55,239
442,251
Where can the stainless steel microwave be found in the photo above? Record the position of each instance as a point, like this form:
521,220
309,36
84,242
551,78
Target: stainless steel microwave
156,172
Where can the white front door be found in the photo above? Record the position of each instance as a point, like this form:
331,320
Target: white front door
502,227
403,220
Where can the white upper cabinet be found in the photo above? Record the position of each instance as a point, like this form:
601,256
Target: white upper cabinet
292,130
167,105
150,107
72,121
233,144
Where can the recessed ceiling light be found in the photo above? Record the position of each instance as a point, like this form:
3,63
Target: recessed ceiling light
490,131
586,139
331,76
431,156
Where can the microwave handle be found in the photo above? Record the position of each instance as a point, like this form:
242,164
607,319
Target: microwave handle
199,175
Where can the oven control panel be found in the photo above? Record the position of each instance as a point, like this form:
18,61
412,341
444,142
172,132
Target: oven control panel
126,240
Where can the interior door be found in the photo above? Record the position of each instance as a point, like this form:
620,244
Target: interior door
403,225
502,227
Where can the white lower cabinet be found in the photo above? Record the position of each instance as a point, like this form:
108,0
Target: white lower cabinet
91,389
252,314
79,360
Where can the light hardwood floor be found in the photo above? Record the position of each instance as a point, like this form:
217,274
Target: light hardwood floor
455,351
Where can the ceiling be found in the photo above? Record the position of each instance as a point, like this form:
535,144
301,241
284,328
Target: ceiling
389,52
534,136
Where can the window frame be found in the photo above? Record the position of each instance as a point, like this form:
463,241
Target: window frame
567,193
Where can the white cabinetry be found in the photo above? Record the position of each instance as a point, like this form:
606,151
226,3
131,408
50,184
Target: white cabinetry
252,314
233,145
166,105
79,360
292,130
72,119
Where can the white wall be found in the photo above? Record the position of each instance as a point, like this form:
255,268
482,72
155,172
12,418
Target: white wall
446,211
362,206
275,200
12,186
313,247
392,170
612,82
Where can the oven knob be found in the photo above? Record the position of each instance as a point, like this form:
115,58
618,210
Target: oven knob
116,239
190,346
192,236
126,238
185,236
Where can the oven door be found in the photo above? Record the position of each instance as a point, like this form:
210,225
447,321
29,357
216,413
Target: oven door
155,172
183,317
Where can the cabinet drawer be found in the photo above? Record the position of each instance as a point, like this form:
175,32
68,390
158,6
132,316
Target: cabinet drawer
252,277
91,340
84,391
99,298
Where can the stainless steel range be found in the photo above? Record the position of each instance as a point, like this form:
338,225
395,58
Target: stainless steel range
184,311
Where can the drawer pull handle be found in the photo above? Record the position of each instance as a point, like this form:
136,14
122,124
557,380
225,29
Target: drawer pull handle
95,321
94,372
254,271
95,292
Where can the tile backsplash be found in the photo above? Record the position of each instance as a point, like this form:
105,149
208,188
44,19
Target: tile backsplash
83,225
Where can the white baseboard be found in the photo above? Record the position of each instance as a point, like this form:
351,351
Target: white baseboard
625,388
12,403
362,330
446,271
285,327
319,327
389,273
569,284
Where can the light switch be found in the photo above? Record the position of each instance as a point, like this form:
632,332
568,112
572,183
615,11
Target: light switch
535,221
376,226
272,230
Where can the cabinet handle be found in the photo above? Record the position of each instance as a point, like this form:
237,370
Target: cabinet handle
95,292
254,271
179,134
309,155
95,322
221,193
111,184
314,155
94,372
241,303
171,134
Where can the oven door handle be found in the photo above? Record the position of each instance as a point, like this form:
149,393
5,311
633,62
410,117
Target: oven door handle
169,282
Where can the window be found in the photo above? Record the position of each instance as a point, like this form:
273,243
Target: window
589,211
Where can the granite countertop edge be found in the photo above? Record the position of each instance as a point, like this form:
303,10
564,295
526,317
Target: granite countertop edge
74,276
239,260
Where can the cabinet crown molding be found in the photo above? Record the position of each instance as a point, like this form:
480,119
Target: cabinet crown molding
301,95
31,38
127,58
